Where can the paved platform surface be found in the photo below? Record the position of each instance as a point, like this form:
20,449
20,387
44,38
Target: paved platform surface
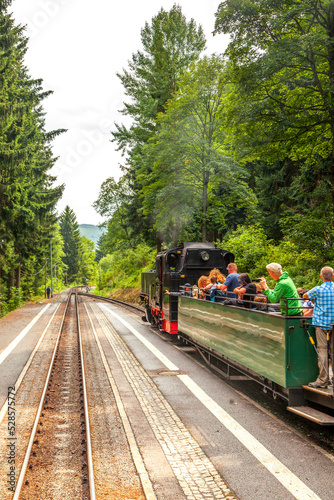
27,324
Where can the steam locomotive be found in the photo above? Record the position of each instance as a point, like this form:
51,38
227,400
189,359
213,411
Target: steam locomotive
173,269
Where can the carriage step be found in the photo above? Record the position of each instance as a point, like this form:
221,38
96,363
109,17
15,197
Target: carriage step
311,414
319,390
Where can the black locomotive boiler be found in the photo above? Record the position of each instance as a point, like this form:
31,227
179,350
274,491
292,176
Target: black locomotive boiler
173,269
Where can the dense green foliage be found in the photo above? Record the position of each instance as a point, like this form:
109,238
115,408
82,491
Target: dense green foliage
29,230
27,195
281,111
253,251
240,149
123,269
69,229
79,255
170,44
193,177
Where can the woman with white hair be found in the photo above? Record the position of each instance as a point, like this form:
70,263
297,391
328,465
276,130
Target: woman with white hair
285,289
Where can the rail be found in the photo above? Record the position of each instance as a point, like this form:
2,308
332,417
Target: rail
113,301
85,400
39,411
42,402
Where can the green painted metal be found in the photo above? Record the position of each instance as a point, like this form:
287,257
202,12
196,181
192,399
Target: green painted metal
269,344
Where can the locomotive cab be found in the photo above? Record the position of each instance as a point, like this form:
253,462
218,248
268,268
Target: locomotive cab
173,269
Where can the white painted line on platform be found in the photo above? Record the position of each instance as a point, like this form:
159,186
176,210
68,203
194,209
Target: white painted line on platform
137,458
28,363
18,339
148,344
289,480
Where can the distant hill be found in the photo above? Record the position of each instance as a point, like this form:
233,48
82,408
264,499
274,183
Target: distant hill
90,231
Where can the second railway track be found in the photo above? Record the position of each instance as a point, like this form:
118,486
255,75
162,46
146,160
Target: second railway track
132,307
58,462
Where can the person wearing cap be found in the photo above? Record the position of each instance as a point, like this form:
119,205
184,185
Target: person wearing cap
323,320
285,289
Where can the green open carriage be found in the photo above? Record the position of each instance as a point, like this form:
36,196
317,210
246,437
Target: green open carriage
270,348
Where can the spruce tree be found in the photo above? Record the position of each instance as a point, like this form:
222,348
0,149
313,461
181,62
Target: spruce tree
69,230
27,198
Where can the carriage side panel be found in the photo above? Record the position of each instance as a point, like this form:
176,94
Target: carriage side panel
259,341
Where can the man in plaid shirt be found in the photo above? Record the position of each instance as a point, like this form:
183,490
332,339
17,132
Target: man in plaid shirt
323,319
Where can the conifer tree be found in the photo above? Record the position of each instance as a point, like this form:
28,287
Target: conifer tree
69,230
27,198
170,44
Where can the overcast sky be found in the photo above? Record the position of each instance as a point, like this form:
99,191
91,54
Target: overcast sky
76,47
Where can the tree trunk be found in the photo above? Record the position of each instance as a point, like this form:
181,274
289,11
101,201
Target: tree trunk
18,277
332,163
10,283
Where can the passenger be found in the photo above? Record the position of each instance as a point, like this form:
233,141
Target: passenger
307,305
260,301
285,289
323,319
186,291
212,283
211,286
195,292
220,277
202,283
246,291
211,290
231,281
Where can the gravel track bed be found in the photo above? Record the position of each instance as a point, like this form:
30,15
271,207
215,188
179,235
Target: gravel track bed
27,400
114,471
57,467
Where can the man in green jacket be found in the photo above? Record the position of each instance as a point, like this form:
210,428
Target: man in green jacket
285,289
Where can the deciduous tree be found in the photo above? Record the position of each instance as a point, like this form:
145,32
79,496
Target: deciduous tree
190,155
170,44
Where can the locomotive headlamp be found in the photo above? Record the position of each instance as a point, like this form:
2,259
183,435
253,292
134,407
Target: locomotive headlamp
205,256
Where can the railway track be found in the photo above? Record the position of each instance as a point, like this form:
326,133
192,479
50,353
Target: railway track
137,309
58,460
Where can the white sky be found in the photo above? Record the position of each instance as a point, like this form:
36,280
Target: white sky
76,47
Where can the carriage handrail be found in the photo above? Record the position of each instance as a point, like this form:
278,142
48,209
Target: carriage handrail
232,296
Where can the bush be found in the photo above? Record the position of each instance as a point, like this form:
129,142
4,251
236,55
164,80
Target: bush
122,269
253,251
